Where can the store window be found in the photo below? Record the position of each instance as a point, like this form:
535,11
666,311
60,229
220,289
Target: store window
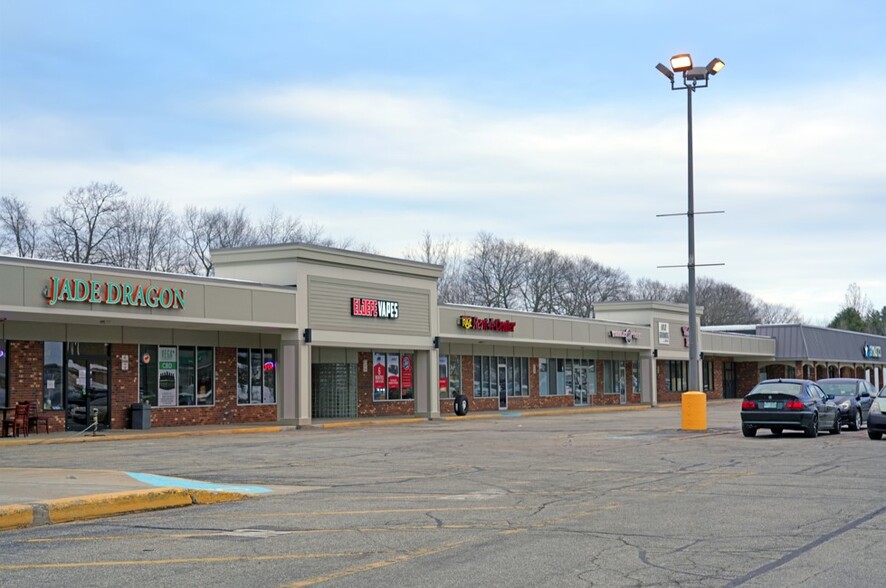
486,380
256,376
614,379
393,376
4,376
176,376
450,376
552,375
708,375
53,370
790,371
676,376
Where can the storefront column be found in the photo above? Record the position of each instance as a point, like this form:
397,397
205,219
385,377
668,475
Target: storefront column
303,384
649,387
289,353
427,393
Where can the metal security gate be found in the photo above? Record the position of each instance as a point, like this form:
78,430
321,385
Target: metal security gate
333,390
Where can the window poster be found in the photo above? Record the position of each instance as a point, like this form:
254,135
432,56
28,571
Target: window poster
406,375
167,363
378,376
444,376
393,376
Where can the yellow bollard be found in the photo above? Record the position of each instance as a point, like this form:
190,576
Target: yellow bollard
695,411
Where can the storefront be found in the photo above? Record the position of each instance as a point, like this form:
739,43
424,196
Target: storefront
815,353
84,343
728,363
294,333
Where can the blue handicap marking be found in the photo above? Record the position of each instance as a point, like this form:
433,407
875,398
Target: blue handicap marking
166,481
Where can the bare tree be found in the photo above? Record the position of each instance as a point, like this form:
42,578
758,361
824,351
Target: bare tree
587,282
18,231
145,236
77,229
723,303
776,314
204,230
855,298
495,270
451,286
544,274
654,290
276,228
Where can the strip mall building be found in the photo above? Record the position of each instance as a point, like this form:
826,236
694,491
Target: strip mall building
293,333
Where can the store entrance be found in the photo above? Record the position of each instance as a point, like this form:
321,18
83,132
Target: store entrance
580,394
87,390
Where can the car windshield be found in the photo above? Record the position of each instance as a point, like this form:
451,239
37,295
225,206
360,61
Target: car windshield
778,388
838,388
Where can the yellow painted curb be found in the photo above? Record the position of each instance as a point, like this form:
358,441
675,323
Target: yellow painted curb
347,424
214,496
141,436
64,510
545,412
15,516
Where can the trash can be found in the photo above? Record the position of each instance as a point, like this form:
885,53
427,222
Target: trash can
141,416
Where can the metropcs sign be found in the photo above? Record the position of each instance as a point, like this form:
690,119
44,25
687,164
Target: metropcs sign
61,289
872,351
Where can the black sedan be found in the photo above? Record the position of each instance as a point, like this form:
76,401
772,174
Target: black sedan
853,398
798,405
877,419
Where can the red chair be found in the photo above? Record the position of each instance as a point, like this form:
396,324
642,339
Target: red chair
35,419
19,422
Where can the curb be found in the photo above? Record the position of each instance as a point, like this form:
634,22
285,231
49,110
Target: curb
352,424
65,510
546,412
142,436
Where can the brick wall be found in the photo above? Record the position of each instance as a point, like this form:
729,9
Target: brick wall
226,410
25,368
124,385
746,377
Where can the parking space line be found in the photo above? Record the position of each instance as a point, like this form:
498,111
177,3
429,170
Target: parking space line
187,560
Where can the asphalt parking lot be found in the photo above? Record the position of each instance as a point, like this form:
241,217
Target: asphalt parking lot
613,499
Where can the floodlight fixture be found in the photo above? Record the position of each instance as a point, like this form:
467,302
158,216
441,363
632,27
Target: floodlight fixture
665,71
715,66
696,74
681,62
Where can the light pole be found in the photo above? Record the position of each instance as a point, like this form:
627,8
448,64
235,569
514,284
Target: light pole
692,78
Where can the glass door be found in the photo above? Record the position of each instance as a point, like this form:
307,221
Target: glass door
580,386
87,393
729,379
502,387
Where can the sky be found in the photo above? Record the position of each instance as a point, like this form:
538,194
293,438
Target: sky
541,122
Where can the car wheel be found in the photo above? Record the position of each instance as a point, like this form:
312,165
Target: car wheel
835,430
875,435
749,431
777,431
812,430
856,422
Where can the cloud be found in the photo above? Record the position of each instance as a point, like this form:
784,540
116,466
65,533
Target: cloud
383,165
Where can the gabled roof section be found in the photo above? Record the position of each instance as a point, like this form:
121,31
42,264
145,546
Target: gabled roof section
804,342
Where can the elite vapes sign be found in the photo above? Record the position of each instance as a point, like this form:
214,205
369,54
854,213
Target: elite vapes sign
373,308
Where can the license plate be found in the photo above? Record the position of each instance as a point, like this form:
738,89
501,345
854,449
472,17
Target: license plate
771,404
